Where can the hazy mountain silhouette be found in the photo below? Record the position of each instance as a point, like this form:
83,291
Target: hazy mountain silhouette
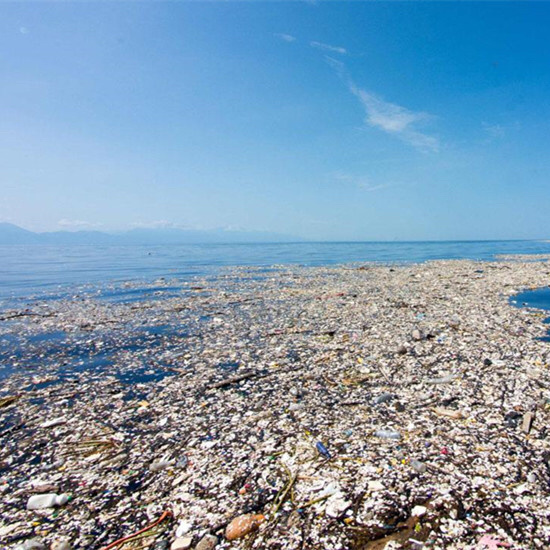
14,235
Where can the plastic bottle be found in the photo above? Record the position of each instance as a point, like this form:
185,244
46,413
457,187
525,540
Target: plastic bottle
158,465
387,434
418,466
49,500
31,544
383,398
323,450
443,379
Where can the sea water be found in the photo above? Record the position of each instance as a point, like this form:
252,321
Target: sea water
32,270
538,298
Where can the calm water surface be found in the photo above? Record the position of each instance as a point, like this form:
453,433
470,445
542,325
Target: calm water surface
539,298
36,269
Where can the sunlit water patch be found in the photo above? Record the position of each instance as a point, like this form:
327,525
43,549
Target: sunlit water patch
539,299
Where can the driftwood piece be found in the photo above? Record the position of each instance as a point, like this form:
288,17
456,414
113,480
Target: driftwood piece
237,378
26,314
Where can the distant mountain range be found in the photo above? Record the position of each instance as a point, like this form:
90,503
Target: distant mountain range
13,235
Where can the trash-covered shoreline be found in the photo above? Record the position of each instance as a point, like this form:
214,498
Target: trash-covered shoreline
360,407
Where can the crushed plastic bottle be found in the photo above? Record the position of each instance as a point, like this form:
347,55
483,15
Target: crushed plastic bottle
158,465
31,544
383,398
182,462
418,466
443,379
387,434
49,500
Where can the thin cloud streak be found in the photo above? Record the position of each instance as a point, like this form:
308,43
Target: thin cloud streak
328,47
157,224
368,187
389,117
77,224
285,37
494,130
396,120
361,182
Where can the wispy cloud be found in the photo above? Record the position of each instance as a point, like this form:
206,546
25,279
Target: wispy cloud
285,37
396,120
362,182
77,224
389,117
156,224
369,187
494,130
233,228
328,47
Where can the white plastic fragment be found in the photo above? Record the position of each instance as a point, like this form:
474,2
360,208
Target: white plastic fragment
48,500
419,511
53,422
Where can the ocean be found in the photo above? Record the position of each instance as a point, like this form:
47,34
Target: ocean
32,271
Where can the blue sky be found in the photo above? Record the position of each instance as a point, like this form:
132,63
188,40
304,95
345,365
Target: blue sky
329,121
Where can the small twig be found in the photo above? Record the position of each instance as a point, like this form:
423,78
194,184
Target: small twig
316,500
238,378
8,400
93,442
382,372
281,497
120,541
26,314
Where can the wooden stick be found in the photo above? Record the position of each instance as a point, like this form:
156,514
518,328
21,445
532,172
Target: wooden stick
238,378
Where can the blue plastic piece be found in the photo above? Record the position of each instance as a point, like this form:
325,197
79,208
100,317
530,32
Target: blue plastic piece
323,450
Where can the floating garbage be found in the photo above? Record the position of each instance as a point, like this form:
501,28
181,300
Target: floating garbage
288,407
418,466
31,544
322,450
37,502
442,379
387,434
243,525
383,398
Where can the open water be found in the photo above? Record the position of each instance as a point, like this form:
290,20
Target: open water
31,270
538,298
